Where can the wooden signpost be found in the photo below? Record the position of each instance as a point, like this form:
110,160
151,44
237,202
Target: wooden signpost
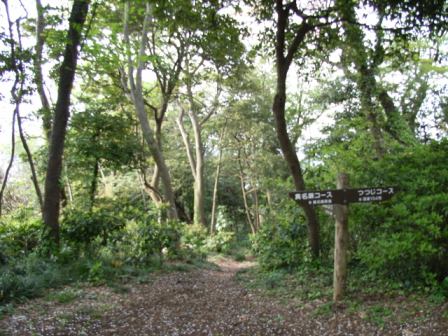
341,197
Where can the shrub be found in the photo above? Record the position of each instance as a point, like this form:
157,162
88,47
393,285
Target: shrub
83,227
220,242
20,234
29,276
145,240
194,237
281,241
406,239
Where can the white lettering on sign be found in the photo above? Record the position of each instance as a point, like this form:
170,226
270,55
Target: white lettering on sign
326,197
370,198
319,201
375,192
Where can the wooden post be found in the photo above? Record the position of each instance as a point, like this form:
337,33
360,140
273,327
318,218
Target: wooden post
340,243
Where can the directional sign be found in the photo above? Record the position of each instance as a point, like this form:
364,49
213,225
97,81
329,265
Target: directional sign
365,195
343,196
318,197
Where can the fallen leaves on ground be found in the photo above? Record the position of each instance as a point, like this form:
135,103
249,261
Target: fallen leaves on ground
207,302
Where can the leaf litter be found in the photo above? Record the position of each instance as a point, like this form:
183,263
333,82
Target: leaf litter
208,302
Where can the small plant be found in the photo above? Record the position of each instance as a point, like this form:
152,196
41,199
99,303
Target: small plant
273,279
377,314
239,256
5,310
65,296
324,309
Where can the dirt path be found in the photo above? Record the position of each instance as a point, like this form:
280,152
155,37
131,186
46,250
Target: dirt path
201,302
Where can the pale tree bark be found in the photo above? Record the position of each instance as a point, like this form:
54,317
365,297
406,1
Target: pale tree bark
52,198
11,160
215,185
196,160
136,92
17,92
167,80
283,63
244,194
46,109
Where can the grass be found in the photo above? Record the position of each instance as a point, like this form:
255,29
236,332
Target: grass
33,275
311,289
67,295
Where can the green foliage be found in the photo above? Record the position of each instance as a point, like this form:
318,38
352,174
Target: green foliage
147,241
28,277
377,314
83,227
194,237
20,233
281,241
64,296
222,239
405,239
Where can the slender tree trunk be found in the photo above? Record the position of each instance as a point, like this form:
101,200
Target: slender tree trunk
30,160
46,109
155,180
283,63
17,92
136,89
196,161
94,183
256,210
11,160
294,165
198,207
215,185
244,194
61,115
68,185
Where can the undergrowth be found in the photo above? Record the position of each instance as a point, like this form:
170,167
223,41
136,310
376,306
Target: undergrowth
378,302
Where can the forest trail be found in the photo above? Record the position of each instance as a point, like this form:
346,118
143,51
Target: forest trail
199,302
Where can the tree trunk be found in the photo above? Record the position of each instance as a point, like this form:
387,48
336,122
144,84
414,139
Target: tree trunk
11,160
215,185
136,89
293,164
17,92
283,63
396,125
46,109
94,183
52,197
365,80
196,161
30,160
244,194
198,207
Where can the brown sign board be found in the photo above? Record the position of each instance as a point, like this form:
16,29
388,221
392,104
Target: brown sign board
343,196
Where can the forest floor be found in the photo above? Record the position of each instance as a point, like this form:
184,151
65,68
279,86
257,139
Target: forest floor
209,301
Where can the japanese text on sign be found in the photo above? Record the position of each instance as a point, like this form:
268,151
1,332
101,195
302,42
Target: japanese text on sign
343,196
